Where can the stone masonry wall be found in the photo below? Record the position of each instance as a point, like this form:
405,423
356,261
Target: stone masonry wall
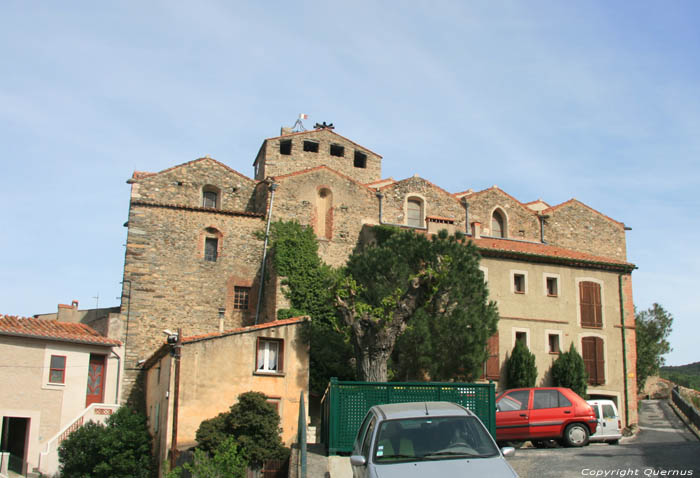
172,285
183,185
352,206
521,222
436,202
271,163
575,226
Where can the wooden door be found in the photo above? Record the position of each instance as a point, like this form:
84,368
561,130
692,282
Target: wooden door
96,380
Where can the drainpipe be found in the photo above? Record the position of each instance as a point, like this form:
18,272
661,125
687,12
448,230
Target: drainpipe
119,367
466,215
543,219
177,348
624,350
273,187
380,196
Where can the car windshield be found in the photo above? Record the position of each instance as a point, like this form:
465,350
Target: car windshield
432,438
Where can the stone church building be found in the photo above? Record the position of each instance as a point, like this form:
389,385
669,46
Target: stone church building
195,250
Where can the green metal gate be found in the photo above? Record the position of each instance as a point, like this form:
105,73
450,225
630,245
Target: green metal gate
345,404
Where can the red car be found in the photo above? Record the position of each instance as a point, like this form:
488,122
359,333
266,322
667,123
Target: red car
540,414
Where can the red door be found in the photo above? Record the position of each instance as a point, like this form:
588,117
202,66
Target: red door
96,380
512,412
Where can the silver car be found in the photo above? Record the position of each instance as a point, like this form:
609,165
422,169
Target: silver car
424,439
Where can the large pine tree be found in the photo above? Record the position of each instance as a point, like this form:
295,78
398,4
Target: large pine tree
433,285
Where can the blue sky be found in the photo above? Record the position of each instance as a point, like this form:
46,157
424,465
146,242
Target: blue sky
594,100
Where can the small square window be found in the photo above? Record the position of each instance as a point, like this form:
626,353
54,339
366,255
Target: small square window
270,355
211,249
519,283
552,287
337,150
360,160
286,147
57,372
311,146
554,344
521,337
241,297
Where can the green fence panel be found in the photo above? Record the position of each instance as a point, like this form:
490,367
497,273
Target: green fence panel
345,404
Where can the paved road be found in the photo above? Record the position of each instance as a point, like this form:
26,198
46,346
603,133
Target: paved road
663,447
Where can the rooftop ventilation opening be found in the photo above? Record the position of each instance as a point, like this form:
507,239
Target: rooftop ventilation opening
337,150
286,147
311,146
360,160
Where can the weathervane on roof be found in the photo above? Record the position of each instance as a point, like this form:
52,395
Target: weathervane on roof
298,125
324,126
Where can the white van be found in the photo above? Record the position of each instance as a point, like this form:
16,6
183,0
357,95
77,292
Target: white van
609,424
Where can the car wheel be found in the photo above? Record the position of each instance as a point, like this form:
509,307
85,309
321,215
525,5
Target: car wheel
576,434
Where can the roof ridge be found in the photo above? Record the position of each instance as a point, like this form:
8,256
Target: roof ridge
144,174
574,200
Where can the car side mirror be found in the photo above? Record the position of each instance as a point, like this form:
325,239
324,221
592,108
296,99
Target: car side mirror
507,451
359,460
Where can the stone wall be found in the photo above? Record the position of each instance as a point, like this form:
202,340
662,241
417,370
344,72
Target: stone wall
271,162
183,185
576,226
169,284
436,202
350,206
521,222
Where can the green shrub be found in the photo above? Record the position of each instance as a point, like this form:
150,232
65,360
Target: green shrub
521,370
569,371
254,425
119,449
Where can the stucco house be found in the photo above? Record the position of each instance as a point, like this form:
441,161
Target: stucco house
54,377
214,369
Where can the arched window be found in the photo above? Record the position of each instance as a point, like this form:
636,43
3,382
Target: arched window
414,212
324,213
498,224
210,197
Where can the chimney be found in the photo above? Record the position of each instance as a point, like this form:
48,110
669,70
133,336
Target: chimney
476,230
284,131
74,304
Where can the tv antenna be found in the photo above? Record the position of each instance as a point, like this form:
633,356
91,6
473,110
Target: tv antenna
298,125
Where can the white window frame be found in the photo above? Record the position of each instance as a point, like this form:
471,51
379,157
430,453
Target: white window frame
549,275
527,336
512,281
549,332
264,349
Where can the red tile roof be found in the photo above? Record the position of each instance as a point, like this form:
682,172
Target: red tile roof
533,250
165,348
52,330
242,330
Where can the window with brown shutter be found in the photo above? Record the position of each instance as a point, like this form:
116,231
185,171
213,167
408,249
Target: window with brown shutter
591,306
492,366
594,359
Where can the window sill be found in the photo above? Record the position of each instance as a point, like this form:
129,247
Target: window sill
519,292
269,374
553,295
591,326
554,353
